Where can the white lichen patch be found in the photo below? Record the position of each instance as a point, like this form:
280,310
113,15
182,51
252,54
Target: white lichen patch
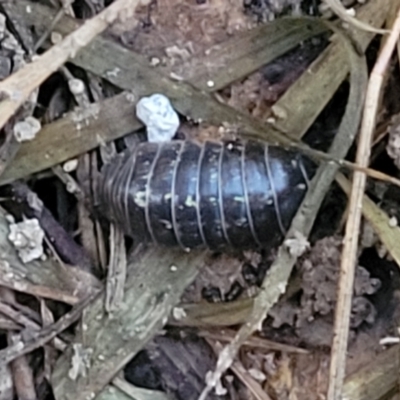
27,129
27,238
297,245
80,361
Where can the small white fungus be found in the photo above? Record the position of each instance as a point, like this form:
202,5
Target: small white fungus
160,118
27,238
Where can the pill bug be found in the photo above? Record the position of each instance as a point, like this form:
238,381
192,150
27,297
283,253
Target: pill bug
238,194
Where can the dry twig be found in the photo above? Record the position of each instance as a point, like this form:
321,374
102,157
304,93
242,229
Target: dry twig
349,254
227,335
38,339
20,368
27,322
16,89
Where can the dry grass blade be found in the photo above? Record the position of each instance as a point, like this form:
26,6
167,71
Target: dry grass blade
376,380
116,270
226,335
122,390
307,97
40,338
38,290
337,7
214,314
16,89
244,54
135,392
388,234
74,134
7,324
349,253
85,222
114,393
253,386
372,173
26,322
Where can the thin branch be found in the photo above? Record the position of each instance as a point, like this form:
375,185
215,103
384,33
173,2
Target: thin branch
349,253
22,373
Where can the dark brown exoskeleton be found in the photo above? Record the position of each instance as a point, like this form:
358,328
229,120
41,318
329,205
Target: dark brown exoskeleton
183,193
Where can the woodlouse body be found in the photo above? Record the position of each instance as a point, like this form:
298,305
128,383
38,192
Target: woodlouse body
183,193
